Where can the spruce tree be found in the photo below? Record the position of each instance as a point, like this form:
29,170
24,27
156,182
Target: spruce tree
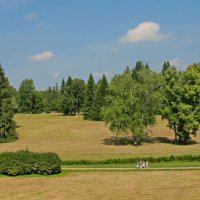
166,65
62,86
69,81
7,125
99,99
89,98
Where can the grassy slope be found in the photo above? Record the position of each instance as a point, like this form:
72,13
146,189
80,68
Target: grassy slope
74,138
146,185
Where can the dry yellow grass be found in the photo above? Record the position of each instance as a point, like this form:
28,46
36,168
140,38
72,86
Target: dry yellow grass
74,138
146,185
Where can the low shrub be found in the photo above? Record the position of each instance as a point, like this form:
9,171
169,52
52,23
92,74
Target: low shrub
26,162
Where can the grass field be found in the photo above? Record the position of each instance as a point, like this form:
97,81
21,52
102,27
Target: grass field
146,185
73,139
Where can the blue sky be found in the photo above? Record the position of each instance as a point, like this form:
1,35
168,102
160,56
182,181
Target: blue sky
47,40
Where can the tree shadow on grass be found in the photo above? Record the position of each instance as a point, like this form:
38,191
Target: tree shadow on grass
169,141
119,141
128,140
160,140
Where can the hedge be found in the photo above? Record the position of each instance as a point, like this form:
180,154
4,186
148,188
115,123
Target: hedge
26,162
132,160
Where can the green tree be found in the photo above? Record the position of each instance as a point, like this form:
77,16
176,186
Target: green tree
25,96
99,98
38,104
77,91
62,86
89,98
129,101
51,98
14,98
138,67
166,65
149,86
69,81
182,102
67,99
7,124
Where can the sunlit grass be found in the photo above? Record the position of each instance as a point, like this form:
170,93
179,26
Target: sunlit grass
74,139
142,184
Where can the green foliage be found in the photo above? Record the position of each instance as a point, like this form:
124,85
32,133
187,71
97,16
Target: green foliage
89,99
78,92
166,65
62,87
7,106
132,102
26,96
99,98
25,162
182,102
38,104
51,100
72,98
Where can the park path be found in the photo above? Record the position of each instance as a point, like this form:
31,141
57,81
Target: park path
128,169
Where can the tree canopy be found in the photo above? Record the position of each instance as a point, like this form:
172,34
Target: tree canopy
132,103
7,125
181,102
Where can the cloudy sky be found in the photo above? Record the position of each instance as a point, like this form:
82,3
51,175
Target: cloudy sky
47,40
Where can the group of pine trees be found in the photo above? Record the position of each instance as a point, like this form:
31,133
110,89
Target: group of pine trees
128,104
73,97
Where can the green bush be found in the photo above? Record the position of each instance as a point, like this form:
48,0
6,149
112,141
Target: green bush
26,162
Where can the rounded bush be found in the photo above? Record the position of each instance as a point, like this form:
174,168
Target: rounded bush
26,162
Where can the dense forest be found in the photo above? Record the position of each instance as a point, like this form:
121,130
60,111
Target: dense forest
128,104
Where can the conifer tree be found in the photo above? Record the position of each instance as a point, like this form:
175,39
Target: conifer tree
62,86
69,81
7,125
99,99
89,98
166,65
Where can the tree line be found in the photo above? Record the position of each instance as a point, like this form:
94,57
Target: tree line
128,104
72,97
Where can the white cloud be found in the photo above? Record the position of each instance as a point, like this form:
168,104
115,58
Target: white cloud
44,56
176,62
146,31
32,16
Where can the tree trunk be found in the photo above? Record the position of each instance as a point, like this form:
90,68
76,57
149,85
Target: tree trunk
176,137
175,134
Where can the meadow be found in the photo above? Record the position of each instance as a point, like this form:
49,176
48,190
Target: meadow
146,185
74,138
